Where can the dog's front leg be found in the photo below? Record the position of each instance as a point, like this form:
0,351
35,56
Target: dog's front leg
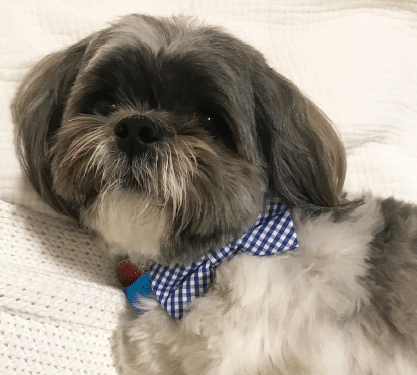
148,344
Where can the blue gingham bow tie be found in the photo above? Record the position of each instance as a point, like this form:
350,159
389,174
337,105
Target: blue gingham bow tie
176,286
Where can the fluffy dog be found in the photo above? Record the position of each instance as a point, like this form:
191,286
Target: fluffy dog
168,138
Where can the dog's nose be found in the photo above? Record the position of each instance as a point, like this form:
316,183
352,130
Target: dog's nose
136,134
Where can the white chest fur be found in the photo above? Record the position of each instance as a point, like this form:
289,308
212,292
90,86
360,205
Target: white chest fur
128,224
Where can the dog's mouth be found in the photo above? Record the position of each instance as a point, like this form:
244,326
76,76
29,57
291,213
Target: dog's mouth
130,182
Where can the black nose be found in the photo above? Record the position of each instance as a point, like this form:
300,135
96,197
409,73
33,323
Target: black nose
136,134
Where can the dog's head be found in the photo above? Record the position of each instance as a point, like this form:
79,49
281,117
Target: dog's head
167,136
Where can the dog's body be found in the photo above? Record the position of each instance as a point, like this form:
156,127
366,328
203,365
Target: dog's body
167,138
343,303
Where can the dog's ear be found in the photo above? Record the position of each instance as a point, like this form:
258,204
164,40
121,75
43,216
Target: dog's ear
304,155
37,113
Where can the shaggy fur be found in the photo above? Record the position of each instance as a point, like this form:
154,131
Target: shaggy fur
327,308
167,137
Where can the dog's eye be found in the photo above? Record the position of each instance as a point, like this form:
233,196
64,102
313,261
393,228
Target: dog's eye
210,123
103,107
215,125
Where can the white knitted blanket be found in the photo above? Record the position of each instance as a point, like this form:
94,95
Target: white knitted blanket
59,297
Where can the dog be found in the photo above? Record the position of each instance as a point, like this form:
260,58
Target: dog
172,139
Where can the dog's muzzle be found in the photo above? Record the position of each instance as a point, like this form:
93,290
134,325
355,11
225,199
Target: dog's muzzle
136,134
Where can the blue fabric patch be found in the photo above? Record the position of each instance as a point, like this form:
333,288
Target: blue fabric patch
141,288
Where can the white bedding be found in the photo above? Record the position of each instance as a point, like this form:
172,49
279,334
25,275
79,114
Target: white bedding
59,299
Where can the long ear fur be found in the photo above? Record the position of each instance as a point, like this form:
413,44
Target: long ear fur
305,157
37,112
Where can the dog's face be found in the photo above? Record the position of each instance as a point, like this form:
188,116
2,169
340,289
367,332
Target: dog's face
166,137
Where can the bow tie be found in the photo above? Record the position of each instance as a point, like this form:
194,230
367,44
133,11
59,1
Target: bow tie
176,286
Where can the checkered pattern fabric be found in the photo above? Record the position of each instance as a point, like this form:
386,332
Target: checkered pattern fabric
176,286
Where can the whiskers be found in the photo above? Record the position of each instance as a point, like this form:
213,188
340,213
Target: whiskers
169,173
185,191
85,157
81,147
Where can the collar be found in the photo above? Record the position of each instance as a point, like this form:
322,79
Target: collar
176,286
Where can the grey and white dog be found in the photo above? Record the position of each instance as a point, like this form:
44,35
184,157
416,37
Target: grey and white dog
167,137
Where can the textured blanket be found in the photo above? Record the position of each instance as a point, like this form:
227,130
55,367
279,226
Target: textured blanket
59,297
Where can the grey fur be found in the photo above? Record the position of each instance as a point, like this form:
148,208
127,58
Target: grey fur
392,277
200,187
